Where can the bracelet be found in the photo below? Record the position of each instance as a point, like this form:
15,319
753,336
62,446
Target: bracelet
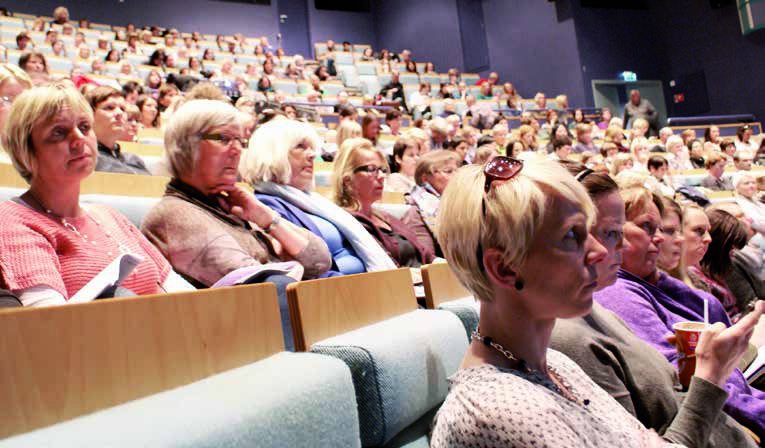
274,222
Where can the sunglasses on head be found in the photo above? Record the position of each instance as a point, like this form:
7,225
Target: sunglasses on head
499,169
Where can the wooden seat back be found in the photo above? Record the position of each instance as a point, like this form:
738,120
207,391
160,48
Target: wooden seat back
323,308
441,285
66,361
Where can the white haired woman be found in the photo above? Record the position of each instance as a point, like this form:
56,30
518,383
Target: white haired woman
279,165
505,228
51,246
359,177
209,227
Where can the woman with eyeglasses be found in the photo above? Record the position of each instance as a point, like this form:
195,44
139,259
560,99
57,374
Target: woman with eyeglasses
506,228
631,371
207,226
359,178
279,164
650,301
52,245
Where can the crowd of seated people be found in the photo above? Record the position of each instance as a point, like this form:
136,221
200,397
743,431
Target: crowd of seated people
587,221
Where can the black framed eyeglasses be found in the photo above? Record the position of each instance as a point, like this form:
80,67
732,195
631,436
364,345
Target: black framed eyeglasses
225,139
499,169
374,170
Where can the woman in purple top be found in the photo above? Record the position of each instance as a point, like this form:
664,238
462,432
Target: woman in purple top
650,301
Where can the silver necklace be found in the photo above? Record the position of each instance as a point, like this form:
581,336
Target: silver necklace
559,384
71,227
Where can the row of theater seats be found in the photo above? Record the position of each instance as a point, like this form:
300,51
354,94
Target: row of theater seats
207,368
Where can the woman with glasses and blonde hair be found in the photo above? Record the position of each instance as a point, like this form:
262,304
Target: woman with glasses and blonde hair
359,177
279,164
505,228
650,301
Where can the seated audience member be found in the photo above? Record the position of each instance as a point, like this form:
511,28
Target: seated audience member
641,153
561,148
459,146
664,134
712,135
431,175
742,160
621,162
487,153
746,198
728,148
744,140
109,119
605,118
726,235
715,165
696,153
132,123
392,124
439,133
421,137
279,165
631,371
650,301
680,160
35,65
746,278
670,257
394,90
615,135
347,129
206,225
639,128
527,137
24,42
150,117
165,96
658,169
406,153
52,246
538,396
370,128
359,176
153,82
584,139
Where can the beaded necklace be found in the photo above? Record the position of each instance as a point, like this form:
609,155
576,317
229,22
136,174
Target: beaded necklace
71,227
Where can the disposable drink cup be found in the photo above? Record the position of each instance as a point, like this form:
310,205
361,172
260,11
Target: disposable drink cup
687,336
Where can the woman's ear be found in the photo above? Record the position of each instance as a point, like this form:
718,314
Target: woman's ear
498,270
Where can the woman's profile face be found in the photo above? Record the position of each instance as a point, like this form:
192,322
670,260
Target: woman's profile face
408,161
671,250
439,179
696,234
301,159
608,230
564,246
9,90
642,239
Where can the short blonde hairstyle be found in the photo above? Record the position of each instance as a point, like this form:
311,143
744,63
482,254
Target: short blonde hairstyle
267,157
619,161
512,218
183,131
432,161
32,108
637,199
613,131
8,71
352,149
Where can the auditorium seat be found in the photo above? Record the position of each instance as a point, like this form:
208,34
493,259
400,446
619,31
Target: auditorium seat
470,78
444,292
409,78
399,356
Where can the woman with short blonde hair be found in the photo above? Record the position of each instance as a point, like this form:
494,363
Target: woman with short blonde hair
51,246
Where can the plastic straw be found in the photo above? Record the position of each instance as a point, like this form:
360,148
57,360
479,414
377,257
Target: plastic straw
706,311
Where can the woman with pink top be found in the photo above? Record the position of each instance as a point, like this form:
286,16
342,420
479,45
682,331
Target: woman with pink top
51,246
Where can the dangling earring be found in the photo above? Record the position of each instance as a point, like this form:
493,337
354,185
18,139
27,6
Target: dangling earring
519,284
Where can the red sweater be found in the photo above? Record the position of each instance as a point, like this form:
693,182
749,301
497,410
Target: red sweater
36,249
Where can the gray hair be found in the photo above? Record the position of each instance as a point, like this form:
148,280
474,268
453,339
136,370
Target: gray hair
267,157
182,134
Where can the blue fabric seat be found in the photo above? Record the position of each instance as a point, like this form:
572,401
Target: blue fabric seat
400,368
275,402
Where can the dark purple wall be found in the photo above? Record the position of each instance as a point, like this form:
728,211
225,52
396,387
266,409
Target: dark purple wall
702,38
614,40
430,28
530,47
355,27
